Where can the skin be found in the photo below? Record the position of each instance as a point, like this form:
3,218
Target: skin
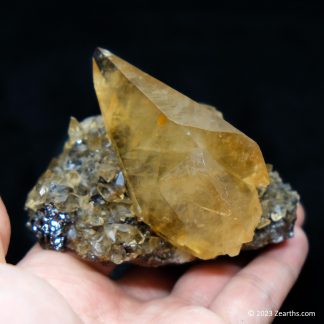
50,287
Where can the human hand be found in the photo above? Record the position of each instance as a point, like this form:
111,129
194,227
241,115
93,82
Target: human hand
50,287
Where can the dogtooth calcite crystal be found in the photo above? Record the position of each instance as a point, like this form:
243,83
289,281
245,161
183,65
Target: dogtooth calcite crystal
193,176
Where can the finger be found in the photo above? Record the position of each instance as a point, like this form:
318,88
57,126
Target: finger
148,283
25,298
4,231
38,257
2,253
265,282
300,215
202,282
86,289
62,267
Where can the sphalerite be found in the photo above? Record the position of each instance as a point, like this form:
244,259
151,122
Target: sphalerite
157,179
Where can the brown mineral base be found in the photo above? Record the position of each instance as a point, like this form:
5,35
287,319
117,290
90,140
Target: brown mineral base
81,203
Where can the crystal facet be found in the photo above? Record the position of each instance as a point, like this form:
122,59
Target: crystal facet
193,177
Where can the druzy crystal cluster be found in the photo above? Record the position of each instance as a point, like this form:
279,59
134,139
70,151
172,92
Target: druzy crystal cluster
81,203
157,179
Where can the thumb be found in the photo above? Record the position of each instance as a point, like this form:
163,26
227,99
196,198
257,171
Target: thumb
4,231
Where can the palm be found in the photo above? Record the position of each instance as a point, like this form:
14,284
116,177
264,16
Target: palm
212,292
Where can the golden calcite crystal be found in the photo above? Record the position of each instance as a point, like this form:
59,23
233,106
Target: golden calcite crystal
192,176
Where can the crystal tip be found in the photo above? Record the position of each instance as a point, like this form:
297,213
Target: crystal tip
99,52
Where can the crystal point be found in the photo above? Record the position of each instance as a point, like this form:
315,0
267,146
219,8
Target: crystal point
192,175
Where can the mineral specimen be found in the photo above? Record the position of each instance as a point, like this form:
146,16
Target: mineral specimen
171,181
